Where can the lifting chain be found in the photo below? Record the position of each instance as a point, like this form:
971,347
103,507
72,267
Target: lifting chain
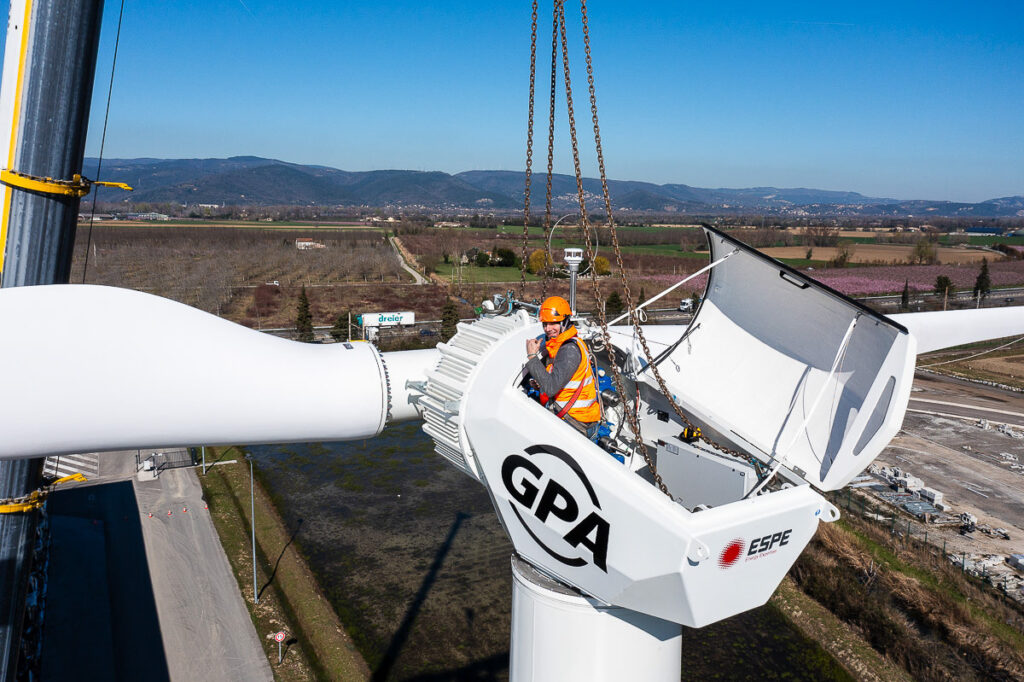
630,412
622,270
551,151
634,318
529,155
559,32
529,152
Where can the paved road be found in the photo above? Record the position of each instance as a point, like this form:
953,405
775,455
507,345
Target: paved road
133,597
205,627
949,397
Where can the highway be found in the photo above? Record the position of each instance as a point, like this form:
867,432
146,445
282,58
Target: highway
995,299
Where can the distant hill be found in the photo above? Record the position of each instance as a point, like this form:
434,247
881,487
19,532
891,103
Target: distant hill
251,180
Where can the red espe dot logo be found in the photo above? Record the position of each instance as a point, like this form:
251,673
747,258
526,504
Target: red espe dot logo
730,554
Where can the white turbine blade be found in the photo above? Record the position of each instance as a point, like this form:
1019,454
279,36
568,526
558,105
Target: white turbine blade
88,368
947,328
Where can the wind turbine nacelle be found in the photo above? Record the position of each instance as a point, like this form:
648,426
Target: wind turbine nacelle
579,515
774,364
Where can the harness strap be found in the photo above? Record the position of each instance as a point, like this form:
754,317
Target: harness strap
565,410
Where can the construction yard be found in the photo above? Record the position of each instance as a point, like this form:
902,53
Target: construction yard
964,441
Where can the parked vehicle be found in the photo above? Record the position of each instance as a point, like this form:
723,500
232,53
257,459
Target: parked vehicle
687,305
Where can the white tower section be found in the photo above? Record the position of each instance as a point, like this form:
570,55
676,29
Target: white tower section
559,636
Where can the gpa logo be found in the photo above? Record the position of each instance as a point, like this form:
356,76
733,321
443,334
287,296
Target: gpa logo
560,499
758,548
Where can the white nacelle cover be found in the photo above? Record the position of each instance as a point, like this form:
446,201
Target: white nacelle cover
759,354
578,514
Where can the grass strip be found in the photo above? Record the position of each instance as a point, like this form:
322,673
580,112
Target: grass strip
838,639
290,599
937,583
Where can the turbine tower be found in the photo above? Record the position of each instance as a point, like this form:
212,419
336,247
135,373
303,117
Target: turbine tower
49,61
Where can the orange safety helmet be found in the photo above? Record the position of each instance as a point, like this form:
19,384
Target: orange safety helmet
554,309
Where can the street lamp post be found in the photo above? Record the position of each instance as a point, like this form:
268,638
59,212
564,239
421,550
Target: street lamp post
252,519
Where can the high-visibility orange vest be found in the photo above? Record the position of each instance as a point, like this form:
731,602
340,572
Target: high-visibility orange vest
586,409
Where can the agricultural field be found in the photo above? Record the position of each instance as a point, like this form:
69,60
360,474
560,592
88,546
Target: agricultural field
655,259
888,279
882,253
1000,361
254,276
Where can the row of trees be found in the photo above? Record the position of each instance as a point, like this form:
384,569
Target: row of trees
944,286
539,261
346,321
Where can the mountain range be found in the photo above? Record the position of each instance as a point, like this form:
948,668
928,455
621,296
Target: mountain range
251,180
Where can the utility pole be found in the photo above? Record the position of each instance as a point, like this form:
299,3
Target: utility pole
44,115
252,522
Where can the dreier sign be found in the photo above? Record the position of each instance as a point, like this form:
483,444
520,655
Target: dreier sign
387,319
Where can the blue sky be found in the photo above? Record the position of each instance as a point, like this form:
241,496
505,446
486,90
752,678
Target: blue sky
907,100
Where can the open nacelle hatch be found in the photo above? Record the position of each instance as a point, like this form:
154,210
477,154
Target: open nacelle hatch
756,367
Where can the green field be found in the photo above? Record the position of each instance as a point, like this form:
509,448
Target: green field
473,273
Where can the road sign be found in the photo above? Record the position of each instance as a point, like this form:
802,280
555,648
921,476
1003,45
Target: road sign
280,638
387,319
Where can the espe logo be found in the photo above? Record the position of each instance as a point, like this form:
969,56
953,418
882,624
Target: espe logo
769,542
758,547
551,503
731,554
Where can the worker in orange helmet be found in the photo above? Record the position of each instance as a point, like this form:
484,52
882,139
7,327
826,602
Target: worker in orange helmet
562,369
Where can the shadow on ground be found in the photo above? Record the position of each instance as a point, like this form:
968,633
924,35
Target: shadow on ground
101,620
398,640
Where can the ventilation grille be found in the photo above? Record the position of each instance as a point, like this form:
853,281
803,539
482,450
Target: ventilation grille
447,384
